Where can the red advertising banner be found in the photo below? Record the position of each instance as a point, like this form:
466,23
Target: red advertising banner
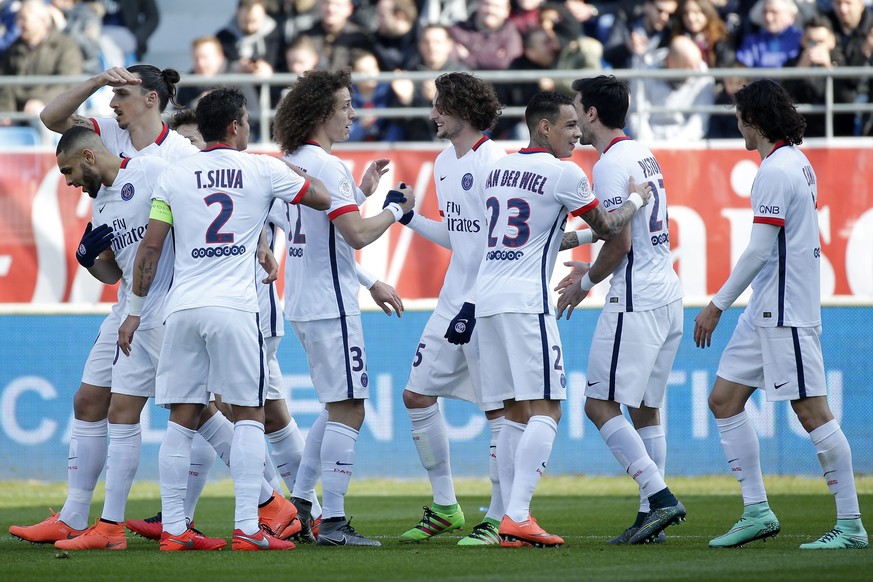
42,219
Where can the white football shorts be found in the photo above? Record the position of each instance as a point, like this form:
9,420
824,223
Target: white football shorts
786,361
98,366
632,354
212,349
337,360
521,357
134,375
447,370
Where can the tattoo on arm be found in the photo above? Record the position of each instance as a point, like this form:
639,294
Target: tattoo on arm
609,224
569,241
82,121
146,277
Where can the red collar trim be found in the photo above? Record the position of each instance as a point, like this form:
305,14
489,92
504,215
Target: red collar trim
615,141
779,144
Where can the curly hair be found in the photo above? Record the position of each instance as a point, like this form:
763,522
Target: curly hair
310,102
163,82
767,107
468,98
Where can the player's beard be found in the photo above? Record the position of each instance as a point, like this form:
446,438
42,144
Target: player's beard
90,181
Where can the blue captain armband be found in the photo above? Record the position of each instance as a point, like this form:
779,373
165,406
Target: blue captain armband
161,211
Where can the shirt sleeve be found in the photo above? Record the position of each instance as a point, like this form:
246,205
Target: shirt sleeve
285,182
342,188
749,264
769,197
574,190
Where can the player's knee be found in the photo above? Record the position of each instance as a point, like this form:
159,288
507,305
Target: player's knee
812,412
91,403
415,400
600,411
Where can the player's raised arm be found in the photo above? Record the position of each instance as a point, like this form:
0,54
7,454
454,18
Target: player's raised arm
358,231
59,114
608,224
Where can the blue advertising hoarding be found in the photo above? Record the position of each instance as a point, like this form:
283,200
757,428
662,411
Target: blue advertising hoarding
42,358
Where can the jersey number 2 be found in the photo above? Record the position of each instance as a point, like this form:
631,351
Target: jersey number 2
213,233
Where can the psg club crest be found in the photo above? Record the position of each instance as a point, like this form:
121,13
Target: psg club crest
364,380
563,381
127,192
467,181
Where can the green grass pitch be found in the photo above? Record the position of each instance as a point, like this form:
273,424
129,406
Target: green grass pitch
587,511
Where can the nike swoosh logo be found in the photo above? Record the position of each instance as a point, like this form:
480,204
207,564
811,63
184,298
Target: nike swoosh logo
100,210
72,458
732,460
261,543
184,543
590,383
442,178
110,545
778,386
344,464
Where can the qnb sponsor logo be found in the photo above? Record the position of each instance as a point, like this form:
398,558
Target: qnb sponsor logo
222,251
503,255
295,252
660,239
764,209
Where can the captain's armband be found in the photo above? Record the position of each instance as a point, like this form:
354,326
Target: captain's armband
161,211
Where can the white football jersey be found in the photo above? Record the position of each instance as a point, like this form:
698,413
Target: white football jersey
460,189
125,206
170,145
320,277
645,278
786,292
272,322
528,195
219,199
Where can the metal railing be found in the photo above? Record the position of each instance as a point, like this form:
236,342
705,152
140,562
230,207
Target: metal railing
264,86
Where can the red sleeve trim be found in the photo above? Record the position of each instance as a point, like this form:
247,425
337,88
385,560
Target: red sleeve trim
343,210
590,206
95,124
769,220
300,194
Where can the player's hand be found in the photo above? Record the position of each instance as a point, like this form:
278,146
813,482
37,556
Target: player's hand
117,77
268,263
644,190
400,198
460,329
126,331
374,173
94,241
387,298
705,323
577,271
570,292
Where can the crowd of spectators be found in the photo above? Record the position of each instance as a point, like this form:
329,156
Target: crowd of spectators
265,37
